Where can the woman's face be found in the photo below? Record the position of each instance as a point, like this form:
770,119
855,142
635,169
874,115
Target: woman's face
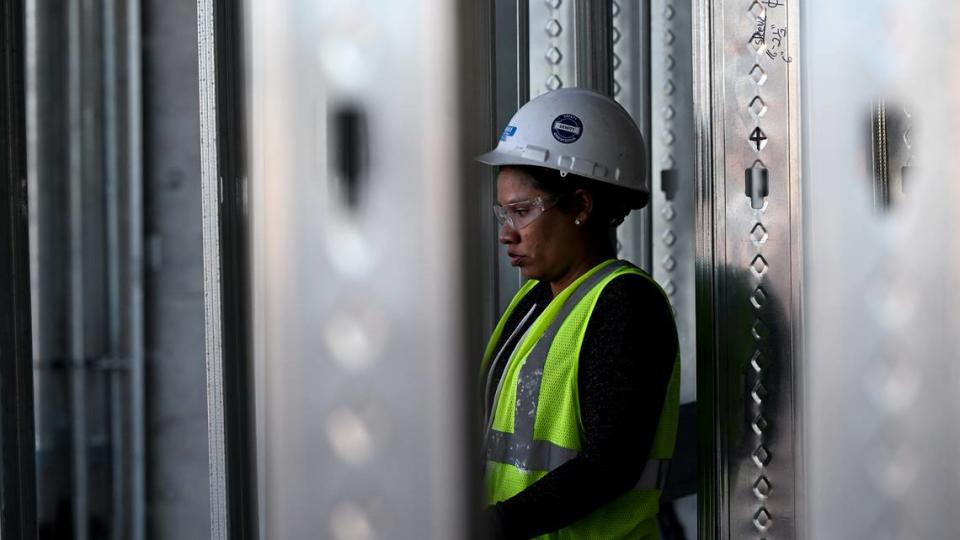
543,249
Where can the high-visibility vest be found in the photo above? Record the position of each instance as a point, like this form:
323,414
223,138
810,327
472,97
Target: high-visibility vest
535,425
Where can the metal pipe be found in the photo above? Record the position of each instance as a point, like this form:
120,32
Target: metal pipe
136,267
113,253
77,338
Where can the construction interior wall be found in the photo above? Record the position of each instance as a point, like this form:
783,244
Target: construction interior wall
263,264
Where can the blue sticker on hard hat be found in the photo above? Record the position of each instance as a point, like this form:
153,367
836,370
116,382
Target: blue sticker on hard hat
567,128
508,132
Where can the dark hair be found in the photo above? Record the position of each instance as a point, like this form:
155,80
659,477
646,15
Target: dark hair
611,204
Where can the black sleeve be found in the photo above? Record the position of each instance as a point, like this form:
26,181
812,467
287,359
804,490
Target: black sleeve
625,364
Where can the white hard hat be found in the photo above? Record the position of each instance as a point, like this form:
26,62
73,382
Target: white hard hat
576,131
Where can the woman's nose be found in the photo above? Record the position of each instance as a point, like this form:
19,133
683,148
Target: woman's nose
508,235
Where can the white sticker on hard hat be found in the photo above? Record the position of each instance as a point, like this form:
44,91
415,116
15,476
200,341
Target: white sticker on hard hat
567,128
508,132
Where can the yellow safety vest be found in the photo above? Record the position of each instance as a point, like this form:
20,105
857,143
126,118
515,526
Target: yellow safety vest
535,425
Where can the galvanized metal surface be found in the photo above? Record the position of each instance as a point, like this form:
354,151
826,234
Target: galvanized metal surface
357,294
552,45
216,435
882,377
748,266
630,64
233,276
672,162
672,213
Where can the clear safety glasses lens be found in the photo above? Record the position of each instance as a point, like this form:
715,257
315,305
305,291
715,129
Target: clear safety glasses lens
520,214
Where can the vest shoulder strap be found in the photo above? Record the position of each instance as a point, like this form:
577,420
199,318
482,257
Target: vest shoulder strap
498,330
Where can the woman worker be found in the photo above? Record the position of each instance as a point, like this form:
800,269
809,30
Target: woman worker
581,375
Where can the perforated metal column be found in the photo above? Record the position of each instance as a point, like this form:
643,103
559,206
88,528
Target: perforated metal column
630,62
553,46
881,382
749,274
673,142
354,207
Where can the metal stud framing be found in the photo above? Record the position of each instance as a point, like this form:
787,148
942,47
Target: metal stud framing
17,488
630,64
552,45
672,143
233,509
748,265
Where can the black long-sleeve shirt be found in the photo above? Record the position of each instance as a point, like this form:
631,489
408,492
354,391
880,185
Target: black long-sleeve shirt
626,360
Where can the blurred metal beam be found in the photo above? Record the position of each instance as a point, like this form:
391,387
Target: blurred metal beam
75,233
883,315
18,483
115,346
494,80
135,271
226,272
357,298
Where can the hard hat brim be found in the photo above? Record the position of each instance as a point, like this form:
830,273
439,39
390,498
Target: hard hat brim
494,157
635,199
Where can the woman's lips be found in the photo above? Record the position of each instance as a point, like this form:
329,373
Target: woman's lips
515,259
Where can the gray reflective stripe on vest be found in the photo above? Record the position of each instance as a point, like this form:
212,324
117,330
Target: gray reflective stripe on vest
539,455
519,448
526,454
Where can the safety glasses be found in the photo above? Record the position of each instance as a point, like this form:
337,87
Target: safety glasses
522,213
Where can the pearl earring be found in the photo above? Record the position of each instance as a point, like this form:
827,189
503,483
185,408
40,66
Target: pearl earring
576,221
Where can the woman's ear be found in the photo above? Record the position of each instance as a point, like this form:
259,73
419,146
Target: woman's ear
582,204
